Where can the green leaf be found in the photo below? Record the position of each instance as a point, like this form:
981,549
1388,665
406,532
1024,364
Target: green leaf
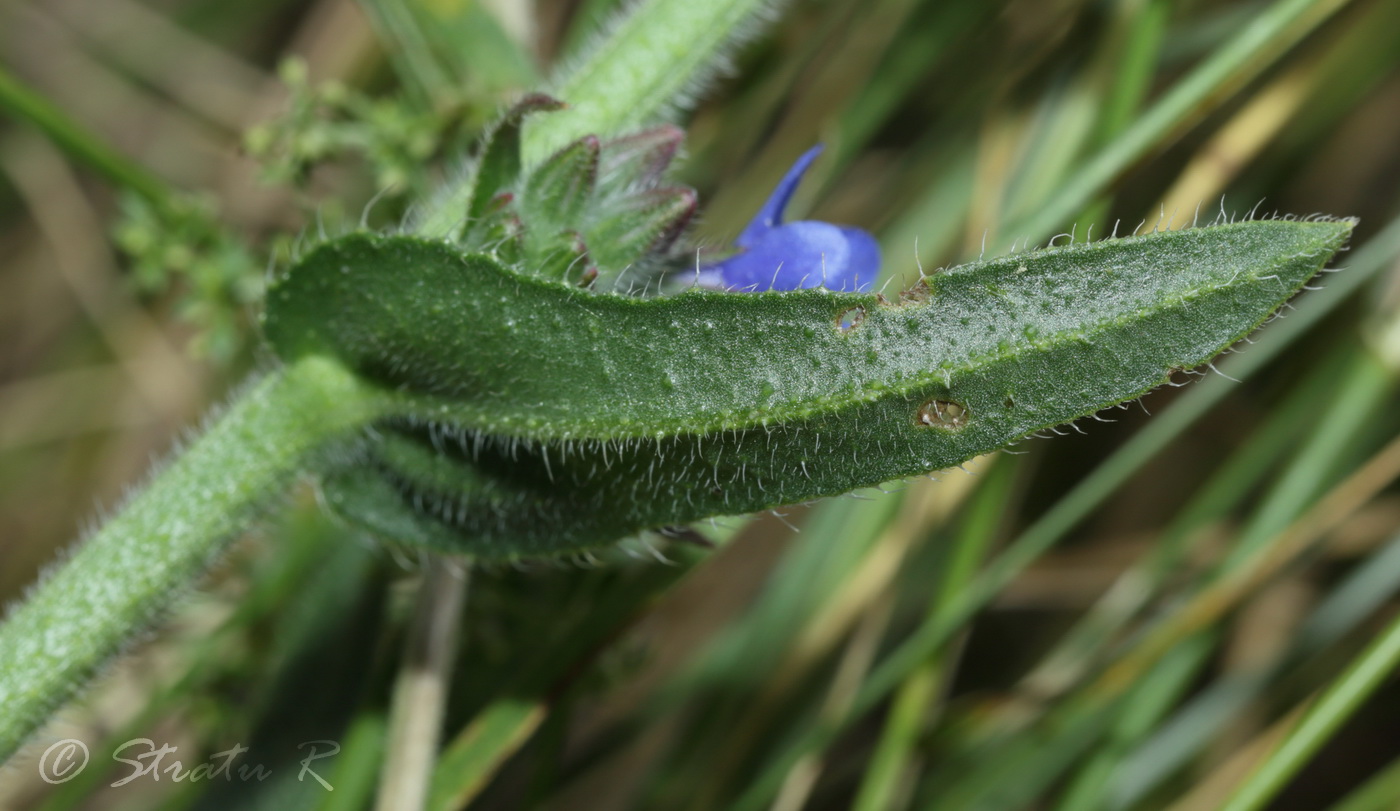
498,169
557,193
644,226
533,417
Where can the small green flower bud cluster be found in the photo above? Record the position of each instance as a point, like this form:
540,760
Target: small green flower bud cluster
594,209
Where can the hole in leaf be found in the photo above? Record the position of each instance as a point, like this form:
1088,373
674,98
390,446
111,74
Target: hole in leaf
943,414
850,319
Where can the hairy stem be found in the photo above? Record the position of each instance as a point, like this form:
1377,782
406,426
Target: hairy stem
121,579
650,63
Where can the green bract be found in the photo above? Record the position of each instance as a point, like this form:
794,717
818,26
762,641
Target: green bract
527,416
593,207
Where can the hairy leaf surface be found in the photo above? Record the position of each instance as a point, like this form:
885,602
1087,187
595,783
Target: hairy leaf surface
531,416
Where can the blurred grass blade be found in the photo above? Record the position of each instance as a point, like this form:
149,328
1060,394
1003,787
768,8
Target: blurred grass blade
891,766
1146,705
1321,721
1380,793
1267,36
521,701
1079,650
472,758
1193,725
1208,606
26,104
408,50
1361,396
1124,72
445,52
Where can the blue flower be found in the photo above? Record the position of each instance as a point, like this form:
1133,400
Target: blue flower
774,255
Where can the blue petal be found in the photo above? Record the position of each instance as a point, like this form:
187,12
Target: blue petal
771,215
862,263
804,254
791,256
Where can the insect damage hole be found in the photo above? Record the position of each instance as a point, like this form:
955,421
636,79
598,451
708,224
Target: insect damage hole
850,319
942,414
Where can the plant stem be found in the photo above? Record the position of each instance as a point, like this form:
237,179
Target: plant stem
647,66
420,693
124,577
